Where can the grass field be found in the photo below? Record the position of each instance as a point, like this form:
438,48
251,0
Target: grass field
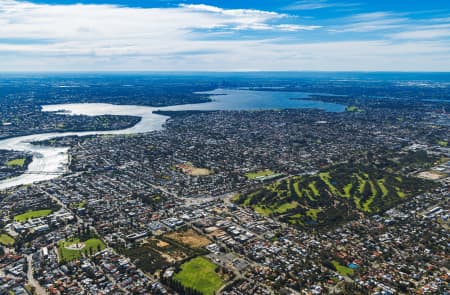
32,214
199,274
16,162
342,270
79,205
353,109
443,143
6,240
261,173
71,254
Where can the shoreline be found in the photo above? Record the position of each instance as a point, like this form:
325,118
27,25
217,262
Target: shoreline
50,162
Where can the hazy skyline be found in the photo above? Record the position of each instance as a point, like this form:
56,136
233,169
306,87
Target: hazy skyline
216,35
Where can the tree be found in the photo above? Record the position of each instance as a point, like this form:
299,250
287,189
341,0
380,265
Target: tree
25,267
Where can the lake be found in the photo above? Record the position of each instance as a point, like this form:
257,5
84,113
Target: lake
51,162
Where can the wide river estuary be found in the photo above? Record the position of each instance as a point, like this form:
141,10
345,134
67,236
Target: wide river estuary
51,162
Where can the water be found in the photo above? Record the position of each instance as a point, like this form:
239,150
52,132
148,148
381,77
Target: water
51,162
239,99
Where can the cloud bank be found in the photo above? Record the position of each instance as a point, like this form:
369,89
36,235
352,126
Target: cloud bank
80,37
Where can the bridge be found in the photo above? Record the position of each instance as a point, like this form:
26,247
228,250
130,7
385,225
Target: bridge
44,172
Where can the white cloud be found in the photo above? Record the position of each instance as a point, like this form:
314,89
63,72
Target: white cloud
308,5
294,28
318,4
252,13
427,32
373,21
189,37
422,34
121,25
105,30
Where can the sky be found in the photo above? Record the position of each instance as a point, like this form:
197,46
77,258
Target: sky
224,35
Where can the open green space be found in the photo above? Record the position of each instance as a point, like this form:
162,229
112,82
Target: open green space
32,214
313,213
6,240
87,248
442,143
263,210
354,109
200,274
342,270
261,173
334,195
266,211
79,205
20,162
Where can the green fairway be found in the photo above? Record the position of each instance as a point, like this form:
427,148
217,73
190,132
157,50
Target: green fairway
199,273
347,190
266,211
6,240
342,270
383,188
261,173
333,195
367,204
325,177
32,214
297,190
285,207
86,248
16,162
313,213
312,187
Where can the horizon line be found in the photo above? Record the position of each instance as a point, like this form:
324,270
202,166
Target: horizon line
221,72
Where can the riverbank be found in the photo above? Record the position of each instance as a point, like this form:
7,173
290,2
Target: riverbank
51,162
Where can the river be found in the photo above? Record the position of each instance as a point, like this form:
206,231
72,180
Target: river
51,162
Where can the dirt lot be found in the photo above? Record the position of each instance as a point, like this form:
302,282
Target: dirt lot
189,238
162,244
431,175
194,171
168,250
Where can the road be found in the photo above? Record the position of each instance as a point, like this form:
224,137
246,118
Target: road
38,288
58,201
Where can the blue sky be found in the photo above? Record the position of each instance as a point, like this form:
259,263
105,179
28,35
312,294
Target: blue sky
214,35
